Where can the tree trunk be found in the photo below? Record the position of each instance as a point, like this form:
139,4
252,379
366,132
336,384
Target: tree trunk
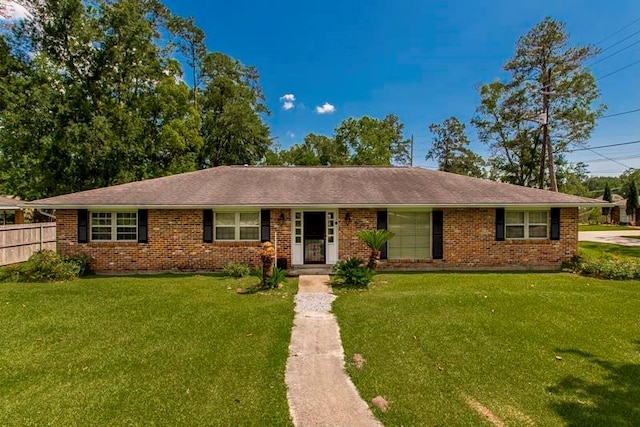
373,260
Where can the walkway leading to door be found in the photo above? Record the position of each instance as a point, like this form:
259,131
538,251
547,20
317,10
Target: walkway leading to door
318,389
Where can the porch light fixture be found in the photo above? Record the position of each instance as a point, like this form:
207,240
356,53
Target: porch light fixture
347,218
281,218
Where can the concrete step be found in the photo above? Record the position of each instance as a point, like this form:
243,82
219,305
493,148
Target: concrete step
310,269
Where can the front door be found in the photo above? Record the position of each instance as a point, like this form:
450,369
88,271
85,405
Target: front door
315,226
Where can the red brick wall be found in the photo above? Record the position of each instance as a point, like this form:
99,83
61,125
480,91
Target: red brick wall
348,243
469,242
175,243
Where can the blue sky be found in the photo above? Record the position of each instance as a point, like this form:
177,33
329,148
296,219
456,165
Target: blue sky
421,60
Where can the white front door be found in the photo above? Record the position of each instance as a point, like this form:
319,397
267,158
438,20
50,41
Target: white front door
297,241
332,237
318,247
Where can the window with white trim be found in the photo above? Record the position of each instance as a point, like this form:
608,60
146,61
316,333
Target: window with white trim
244,226
527,225
412,232
114,226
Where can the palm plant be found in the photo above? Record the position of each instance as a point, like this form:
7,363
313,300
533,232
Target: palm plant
374,239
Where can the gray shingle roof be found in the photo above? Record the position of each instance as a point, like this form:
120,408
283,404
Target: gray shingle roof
314,186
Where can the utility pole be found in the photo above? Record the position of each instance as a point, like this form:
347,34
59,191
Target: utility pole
411,158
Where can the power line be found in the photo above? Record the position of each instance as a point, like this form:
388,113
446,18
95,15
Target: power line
609,158
605,146
620,41
617,32
614,53
620,114
618,70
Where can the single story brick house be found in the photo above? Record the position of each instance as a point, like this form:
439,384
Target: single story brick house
202,220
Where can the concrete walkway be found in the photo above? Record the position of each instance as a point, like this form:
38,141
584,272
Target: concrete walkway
615,237
318,389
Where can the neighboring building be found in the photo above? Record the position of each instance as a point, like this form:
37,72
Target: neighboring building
10,212
202,220
619,211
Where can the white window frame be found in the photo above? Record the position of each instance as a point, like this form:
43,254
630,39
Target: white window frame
527,223
114,226
236,226
430,236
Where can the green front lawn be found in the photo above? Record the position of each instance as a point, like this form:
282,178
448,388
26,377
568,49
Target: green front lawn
603,227
163,350
533,348
605,250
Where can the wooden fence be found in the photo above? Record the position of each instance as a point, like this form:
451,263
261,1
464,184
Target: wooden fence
19,241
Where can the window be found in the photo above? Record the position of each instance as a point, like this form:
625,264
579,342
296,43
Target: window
237,225
7,217
527,224
412,238
114,226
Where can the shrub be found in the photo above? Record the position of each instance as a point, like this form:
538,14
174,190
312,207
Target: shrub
375,240
278,276
46,266
236,269
352,272
616,268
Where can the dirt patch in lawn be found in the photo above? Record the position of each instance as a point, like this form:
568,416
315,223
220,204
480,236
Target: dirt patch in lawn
483,411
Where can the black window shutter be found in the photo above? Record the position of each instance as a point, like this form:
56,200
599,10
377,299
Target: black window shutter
207,226
500,224
382,225
143,234
555,223
83,226
265,225
437,231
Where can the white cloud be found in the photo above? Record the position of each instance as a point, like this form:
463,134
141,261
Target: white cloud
326,108
291,134
16,11
288,101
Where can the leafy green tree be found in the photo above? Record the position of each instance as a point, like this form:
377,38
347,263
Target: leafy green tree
95,100
372,141
572,178
514,144
451,149
190,42
231,105
546,105
633,202
316,150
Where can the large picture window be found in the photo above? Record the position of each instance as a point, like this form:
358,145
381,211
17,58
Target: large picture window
527,224
114,226
412,238
237,225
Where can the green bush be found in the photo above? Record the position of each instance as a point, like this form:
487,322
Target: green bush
613,267
46,266
236,269
278,276
352,272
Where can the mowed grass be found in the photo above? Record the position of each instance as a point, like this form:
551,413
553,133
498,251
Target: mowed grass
605,250
157,350
533,349
604,227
